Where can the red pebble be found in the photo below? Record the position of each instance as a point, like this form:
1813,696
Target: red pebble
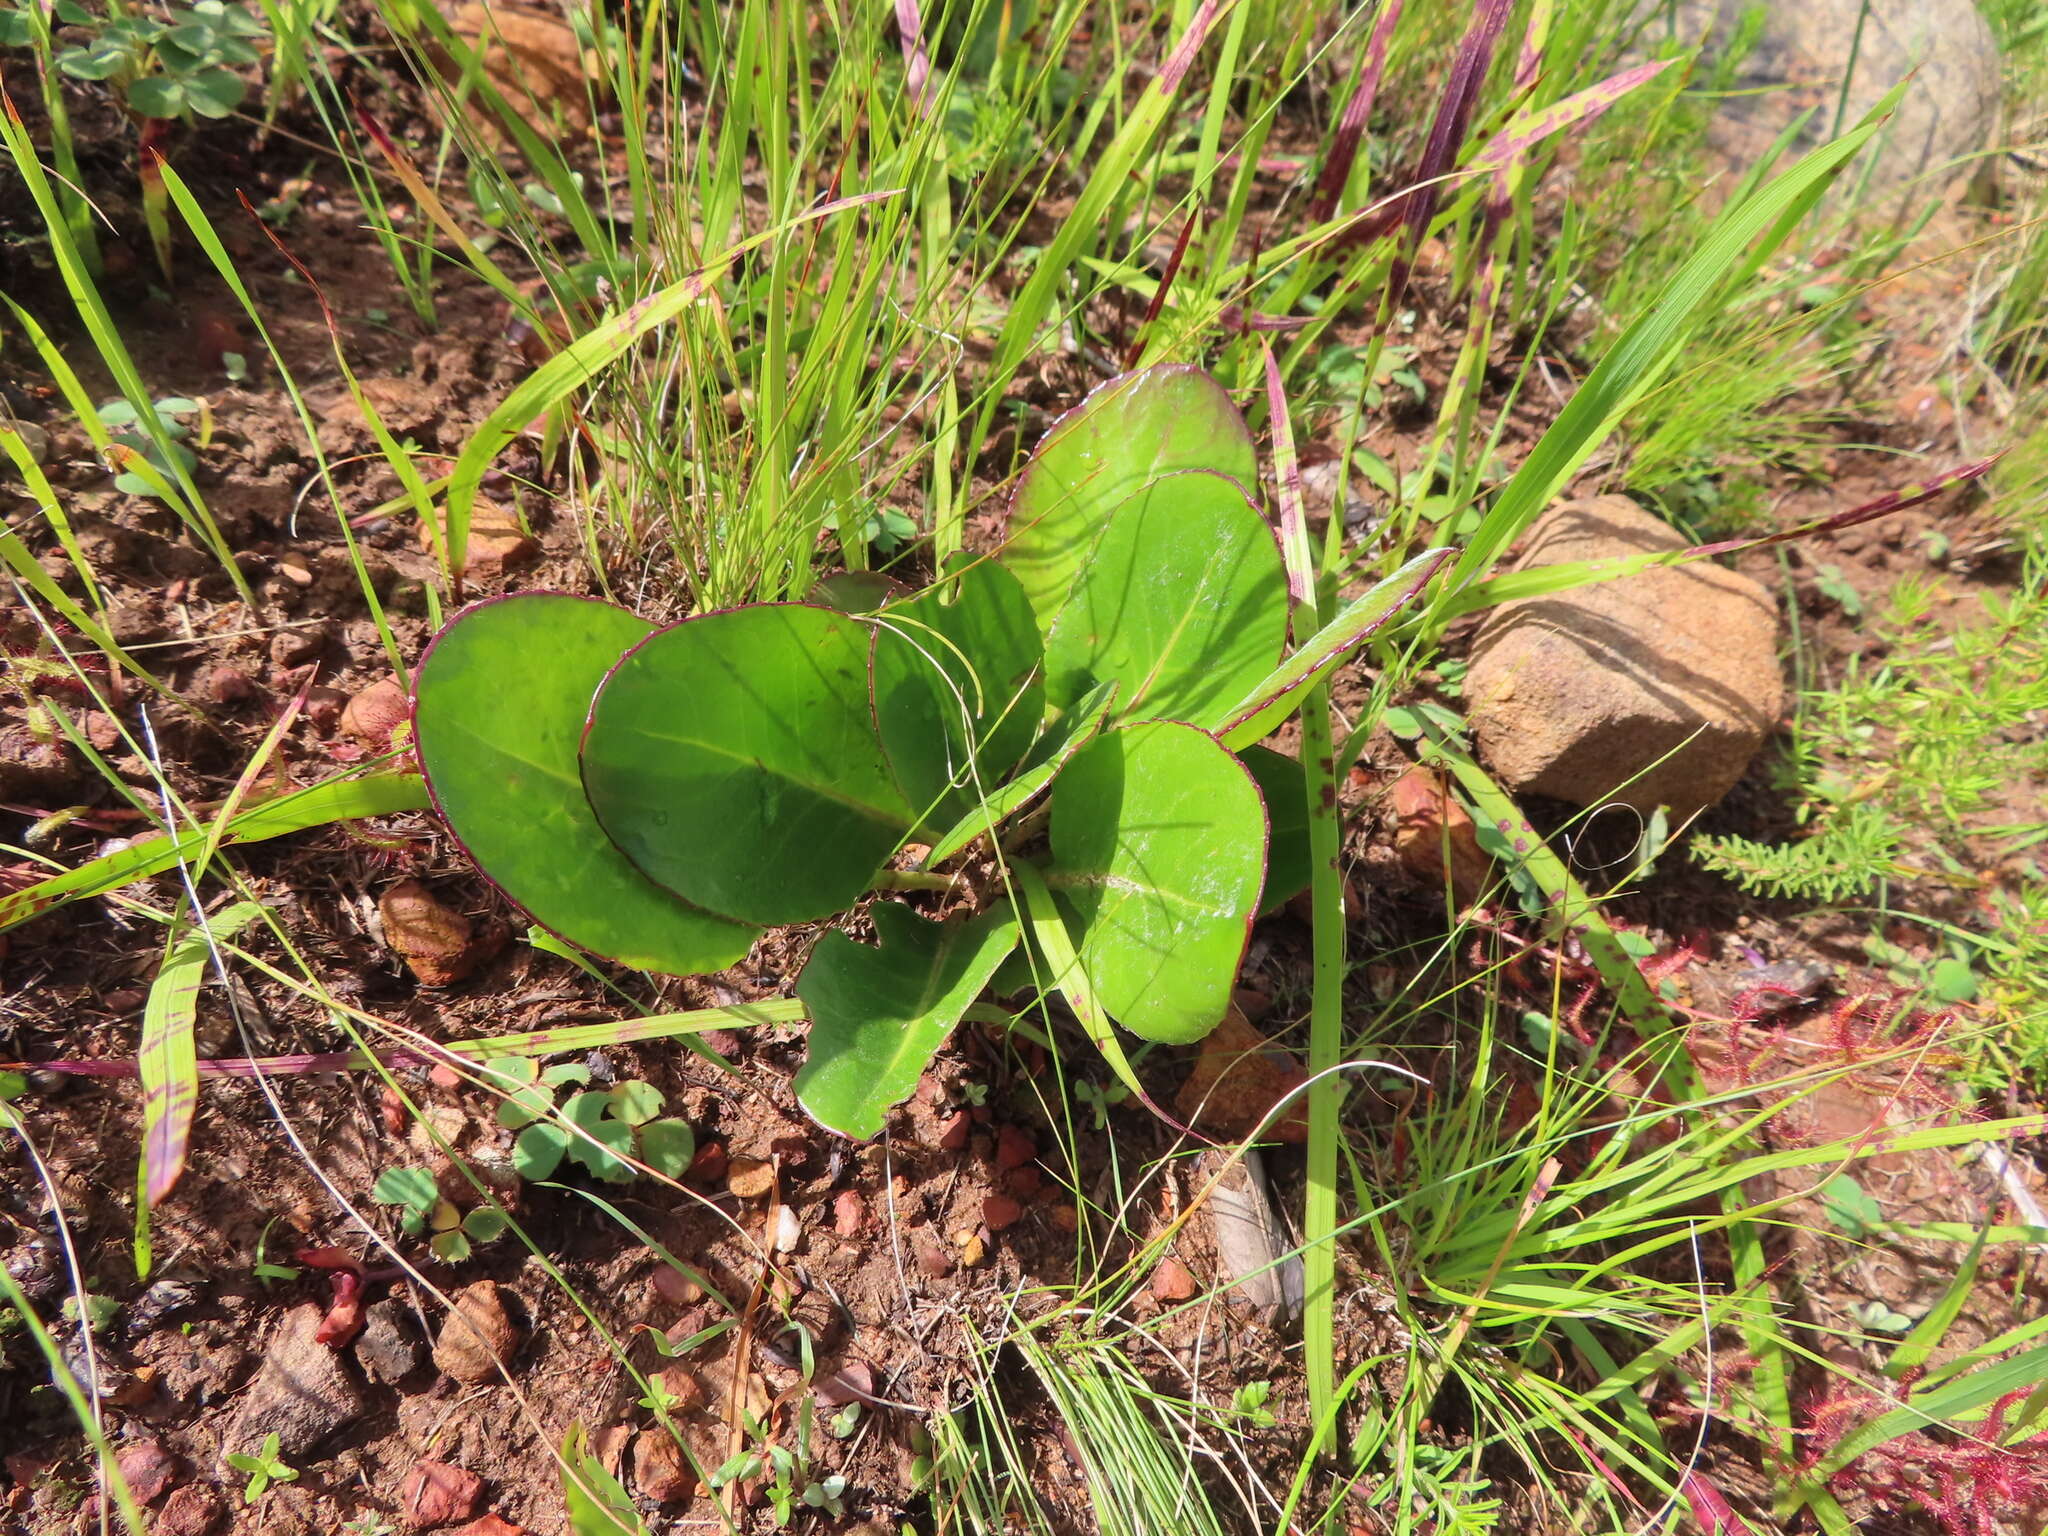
1014,1149
1000,1211
849,1213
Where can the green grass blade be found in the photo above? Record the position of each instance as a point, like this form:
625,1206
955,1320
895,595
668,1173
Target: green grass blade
380,794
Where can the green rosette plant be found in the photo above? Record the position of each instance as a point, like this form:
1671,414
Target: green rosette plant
1060,737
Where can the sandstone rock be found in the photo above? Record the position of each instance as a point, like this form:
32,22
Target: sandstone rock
659,1470
438,944
478,1336
1239,1076
489,1525
1800,57
1654,689
193,1510
387,1348
147,1468
1172,1282
435,1493
302,1391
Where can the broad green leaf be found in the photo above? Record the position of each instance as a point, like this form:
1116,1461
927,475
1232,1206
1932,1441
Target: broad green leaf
1284,788
599,1142
733,758
1135,428
1048,755
635,1102
1182,604
156,96
412,1188
878,1013
485,1223
1159,853
538,1151
668,1147
598,1506
502,696
214,91
450,1247
1275,696
959,689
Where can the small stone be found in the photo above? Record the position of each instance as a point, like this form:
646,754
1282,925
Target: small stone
301,1391
1239,1076
1434,835
489,1525
478,1337
228,687
102,730
852,1383
193,1510
750,1177
387,1349
789,1231
495,542
611,1444
933,1259
1024,1182
674,1287
679,1384
659,1468
1001,1212
849,1213
325,707
33,438
435,1493
710,1163
374,716
954,1131
147,1468
973,1249
1651,689
1172,1282
438,944
297,646
294,569
1014,1149
1066,1218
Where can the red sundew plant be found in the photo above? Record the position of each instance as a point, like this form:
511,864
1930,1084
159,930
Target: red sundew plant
1876,1041
1971,1486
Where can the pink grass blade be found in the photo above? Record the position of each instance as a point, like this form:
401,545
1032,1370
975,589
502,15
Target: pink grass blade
1454,113
1294,549
1357,112
167,1060
917,64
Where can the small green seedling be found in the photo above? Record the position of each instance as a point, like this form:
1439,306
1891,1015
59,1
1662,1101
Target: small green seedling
1087,701
265,1466
602,1130
1850,1206
178,63
171,413
424,1213
1249,1404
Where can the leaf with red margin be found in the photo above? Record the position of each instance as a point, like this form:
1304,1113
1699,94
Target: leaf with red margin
500,701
